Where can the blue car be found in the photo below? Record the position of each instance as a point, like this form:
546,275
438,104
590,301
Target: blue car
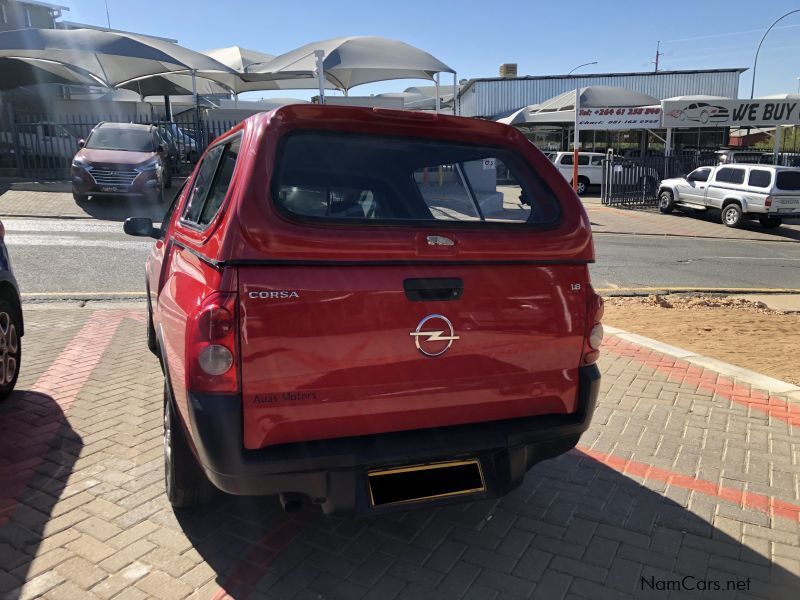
11,328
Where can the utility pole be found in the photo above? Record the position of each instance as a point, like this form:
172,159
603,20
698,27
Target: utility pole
659,54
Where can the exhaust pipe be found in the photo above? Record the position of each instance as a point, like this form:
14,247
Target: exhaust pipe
291,502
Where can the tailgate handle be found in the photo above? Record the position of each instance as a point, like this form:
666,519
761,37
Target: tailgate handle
435,289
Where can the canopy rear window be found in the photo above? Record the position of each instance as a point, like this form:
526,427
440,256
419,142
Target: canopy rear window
379,180
788,180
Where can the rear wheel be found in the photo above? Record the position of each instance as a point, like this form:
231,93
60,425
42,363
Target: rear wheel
583,186
770,222
185,481
666,203
10,347
732,215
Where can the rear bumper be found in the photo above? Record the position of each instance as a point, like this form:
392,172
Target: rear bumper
333,472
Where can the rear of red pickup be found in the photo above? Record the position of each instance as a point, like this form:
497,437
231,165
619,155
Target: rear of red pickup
408,311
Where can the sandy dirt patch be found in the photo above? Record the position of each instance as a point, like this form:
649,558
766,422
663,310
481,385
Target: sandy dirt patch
742,332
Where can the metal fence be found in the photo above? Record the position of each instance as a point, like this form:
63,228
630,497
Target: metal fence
41,147
633,182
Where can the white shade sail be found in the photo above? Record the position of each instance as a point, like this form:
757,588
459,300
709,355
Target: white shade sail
356,60
18,72
113,58
250,75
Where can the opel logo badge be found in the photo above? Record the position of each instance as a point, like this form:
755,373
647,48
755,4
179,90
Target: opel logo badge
434,335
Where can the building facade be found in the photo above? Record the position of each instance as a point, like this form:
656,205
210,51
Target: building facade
498,96
23,15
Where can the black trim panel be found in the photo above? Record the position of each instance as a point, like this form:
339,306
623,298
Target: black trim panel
214,263
334,471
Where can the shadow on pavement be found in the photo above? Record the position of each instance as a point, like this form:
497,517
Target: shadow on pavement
54,200
713,216
575,524
119,208
38,450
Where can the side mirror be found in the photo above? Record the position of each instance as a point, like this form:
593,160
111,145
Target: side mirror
141,227
81,143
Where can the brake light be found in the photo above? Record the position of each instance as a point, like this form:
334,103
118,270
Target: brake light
768,201
211,364
593,338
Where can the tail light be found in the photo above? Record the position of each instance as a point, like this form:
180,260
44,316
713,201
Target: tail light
211,354
594,328
768,201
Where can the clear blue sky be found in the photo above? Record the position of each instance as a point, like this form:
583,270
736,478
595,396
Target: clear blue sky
475,37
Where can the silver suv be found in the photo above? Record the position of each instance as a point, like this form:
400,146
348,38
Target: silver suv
764,192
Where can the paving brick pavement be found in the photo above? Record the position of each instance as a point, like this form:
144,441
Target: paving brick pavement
54,199
685,476
649,221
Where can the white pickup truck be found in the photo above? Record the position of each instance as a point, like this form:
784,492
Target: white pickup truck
764,192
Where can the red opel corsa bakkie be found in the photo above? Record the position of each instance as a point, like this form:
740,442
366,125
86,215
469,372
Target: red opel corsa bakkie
369,310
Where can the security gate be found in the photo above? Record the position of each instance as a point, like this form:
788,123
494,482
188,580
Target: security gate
634,181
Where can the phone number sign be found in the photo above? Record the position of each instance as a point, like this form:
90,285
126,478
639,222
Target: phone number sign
639,117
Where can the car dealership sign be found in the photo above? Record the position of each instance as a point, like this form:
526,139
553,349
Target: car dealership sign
639,117
730,113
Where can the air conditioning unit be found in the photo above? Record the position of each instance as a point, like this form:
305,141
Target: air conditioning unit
508,70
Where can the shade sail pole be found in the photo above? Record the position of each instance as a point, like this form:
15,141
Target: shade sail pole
167,108
194,95
455,93
438,95
319,55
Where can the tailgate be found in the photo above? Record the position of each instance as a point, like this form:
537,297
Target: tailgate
786,203
338,351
